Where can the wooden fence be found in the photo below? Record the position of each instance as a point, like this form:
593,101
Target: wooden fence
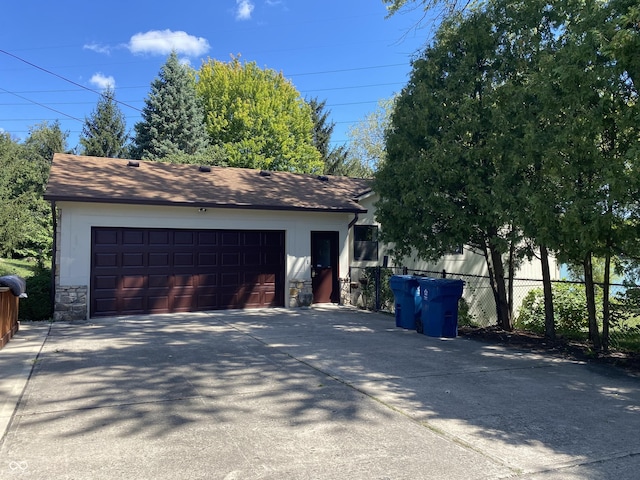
8,315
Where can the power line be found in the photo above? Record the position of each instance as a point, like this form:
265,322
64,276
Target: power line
63,78
41,105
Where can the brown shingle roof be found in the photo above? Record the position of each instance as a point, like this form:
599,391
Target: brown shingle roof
94,179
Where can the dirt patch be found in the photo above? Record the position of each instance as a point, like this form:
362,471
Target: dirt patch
561,347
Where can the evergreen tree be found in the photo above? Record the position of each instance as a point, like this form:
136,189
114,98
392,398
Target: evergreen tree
337,160
103,133
172,119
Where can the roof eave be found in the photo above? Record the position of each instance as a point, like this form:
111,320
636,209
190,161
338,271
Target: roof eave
165,203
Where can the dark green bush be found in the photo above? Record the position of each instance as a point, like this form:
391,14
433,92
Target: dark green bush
37,305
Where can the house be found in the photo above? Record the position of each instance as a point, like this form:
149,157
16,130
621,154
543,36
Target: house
136,237
465,263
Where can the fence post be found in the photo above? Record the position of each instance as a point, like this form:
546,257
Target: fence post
444,273
378,288
405,271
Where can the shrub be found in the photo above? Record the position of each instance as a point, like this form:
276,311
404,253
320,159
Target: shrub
465,317
368,282
569,306
37,305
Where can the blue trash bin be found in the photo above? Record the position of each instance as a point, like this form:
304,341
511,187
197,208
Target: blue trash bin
408,301
439,316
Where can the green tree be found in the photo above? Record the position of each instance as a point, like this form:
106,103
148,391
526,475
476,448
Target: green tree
444,182
258,117
172,118
441,7
367,137
590,113
25,217
104,132
337,160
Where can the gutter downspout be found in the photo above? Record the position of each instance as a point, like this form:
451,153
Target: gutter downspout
353,222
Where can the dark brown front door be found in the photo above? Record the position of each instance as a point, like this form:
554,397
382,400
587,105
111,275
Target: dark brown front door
324,267
142,270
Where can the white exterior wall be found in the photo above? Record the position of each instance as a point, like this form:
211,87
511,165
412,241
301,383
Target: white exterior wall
469,262
76,220
477,293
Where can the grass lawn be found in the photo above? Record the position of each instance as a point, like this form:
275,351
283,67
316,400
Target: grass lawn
23,268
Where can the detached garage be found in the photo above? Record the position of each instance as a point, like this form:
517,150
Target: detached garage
136,237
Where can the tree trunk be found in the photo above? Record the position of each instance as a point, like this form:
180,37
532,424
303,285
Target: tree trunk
605,303
512,274
496,276
594,335
549,318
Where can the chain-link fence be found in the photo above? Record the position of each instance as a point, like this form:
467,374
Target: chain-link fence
370,290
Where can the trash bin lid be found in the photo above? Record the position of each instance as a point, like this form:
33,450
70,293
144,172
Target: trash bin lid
398,282
440,287
16,284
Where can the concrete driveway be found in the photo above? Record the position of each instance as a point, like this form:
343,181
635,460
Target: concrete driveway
323,393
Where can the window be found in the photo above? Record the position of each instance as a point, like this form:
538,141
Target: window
365,242
459,250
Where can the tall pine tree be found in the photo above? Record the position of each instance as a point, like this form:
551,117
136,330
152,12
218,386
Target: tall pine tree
172,119
104,132
337,160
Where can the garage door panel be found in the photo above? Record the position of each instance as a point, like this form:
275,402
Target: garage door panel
208,302
132,259
106,305
103,282
159,281
230,239
106,237
133,304
230,259
158,304
159,238
208,238
208,280
105,260
158,259
183,281
207,259
252,259
183,259
133,282
184,238
133,237
164,270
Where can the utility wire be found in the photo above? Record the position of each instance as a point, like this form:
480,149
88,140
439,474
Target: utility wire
63,78
41,105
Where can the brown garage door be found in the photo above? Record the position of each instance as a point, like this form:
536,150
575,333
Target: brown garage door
140,270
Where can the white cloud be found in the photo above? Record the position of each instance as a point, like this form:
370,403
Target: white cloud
103,82
163,42
245,8
96,47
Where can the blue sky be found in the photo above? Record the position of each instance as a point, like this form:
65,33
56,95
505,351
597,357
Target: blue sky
344,51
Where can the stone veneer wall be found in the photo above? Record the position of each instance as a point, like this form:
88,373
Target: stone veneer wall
70,302
300,293
345,291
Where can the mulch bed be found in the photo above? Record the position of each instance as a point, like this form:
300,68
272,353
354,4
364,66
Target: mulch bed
561,347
